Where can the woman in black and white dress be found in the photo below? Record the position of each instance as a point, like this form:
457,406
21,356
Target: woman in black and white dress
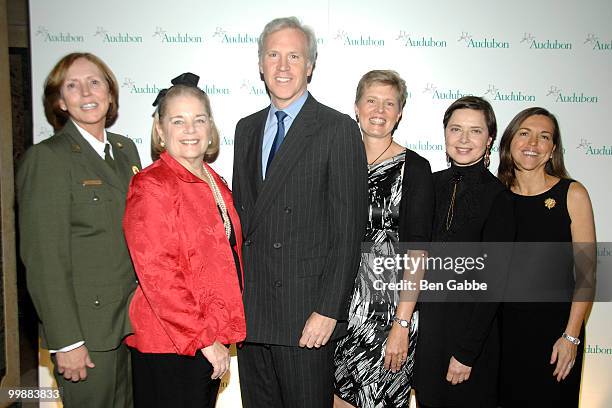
374,361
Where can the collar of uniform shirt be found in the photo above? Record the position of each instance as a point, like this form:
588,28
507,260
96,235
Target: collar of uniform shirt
97,145
270,129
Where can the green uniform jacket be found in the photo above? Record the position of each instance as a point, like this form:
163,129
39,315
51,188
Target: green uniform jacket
79,272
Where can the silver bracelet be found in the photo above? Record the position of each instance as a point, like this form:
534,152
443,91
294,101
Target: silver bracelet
575,341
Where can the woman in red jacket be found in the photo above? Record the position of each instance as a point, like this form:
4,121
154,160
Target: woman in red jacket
184,237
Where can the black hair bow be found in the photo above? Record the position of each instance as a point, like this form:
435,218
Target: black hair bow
187,79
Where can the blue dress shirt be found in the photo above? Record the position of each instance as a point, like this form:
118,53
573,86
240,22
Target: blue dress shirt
271,126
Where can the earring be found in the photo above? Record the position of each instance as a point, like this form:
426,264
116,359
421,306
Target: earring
162,143
448,160
487,158
209,142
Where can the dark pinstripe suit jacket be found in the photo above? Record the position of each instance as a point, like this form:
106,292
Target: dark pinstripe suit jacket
303,225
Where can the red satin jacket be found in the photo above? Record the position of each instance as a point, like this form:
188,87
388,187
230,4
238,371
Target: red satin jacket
188,294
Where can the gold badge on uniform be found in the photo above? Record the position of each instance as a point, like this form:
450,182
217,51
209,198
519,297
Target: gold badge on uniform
550,203
135,169
75,148
119,145
94,182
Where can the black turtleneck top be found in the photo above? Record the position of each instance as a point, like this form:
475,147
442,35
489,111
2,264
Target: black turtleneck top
480,206
472,205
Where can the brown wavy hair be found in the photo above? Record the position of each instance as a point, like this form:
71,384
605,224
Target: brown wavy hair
554,167
53,85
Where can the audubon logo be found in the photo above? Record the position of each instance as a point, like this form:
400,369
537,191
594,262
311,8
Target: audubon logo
445,94
249,88
176,38
603,252
152,88
597,349
147,88
225,37
212,89
419,41
61,37
591,150
471,42
226,141
350,40
426,146
596,45
496,94
136,140
530,40
560,96
117,37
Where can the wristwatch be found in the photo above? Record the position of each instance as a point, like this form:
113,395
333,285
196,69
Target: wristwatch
571,339
404,323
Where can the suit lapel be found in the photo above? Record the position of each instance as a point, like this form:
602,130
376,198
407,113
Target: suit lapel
84,154
297,139
258,132
125,167
252,155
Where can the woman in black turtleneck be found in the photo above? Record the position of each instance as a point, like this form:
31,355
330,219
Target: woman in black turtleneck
457,356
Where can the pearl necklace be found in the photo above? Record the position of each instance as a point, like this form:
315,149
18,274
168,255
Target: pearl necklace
219,201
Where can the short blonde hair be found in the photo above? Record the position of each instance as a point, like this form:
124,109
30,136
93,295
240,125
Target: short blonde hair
385,77
183,90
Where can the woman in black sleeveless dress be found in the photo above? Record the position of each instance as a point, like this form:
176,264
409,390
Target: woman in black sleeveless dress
374,362
542,342
456,358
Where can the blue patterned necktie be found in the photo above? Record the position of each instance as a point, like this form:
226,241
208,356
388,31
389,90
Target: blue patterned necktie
278,139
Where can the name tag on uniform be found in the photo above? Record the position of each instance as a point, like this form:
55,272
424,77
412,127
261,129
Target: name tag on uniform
93,182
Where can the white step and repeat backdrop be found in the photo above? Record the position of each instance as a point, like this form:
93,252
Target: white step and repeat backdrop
517,54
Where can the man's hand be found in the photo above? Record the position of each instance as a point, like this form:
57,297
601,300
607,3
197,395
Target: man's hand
73,364
457,372
317,331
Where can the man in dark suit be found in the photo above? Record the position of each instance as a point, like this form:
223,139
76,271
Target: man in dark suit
300,186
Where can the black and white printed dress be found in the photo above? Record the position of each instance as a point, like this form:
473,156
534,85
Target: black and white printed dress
360,376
